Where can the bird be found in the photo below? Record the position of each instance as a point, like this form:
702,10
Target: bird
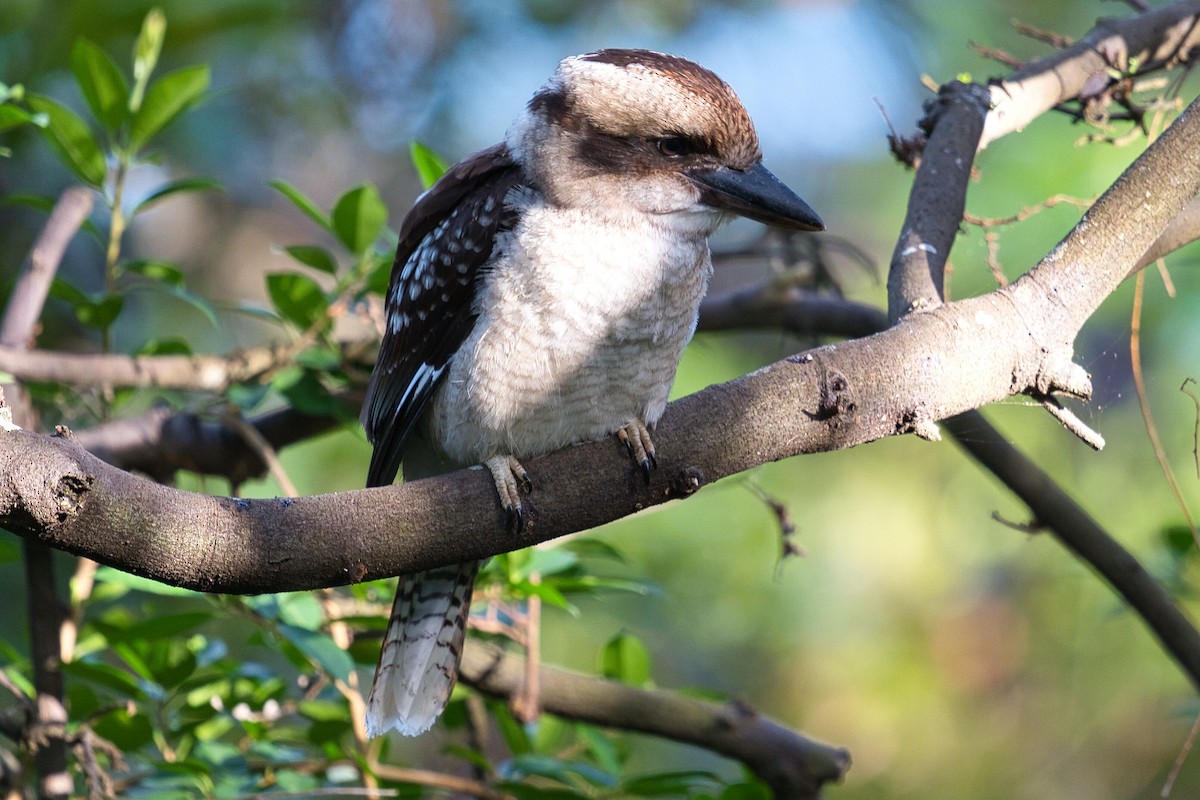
542,293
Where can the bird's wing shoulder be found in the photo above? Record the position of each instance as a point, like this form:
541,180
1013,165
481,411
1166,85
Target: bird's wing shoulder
445,242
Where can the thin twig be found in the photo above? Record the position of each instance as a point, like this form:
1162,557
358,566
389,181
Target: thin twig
1139,385
1195,425
439,780
259,444
526,703
1179,759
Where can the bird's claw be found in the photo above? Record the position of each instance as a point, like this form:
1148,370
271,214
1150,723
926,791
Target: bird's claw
636,438
511,481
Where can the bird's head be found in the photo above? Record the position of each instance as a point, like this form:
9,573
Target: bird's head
635,128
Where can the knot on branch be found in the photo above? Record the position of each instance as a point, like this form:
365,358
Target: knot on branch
686,482
1060,375
836,399
35,501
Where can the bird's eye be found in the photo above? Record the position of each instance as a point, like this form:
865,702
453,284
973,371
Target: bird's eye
674,146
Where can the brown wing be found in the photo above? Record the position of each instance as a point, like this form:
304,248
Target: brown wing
446,243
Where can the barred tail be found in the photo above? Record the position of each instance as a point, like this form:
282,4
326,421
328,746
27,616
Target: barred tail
418,664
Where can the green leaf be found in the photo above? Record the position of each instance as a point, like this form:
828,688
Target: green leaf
548,561
161,271
309,396
429,165
297,298
14,92
166,346
625,658
559,770
301,609
601,747
288,780
254,312
167,98
175,187
110,575
197,302
324,710
381,275
595,548
145,54
358,218
102,84
106,675
247,396
320,358
98,313
320,649
129,732
316,257
745,791
153,628
12,116
547,592
101,313
72,138
304,203
592,583
9,551
18,679
681,783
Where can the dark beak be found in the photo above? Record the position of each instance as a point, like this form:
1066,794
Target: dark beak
757,194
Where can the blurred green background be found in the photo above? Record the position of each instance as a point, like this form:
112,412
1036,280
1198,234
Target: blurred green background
952,655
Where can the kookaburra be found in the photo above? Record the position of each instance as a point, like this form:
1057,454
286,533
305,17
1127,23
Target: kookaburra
542,294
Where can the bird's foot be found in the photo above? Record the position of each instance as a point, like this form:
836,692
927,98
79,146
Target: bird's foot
511,481
636,438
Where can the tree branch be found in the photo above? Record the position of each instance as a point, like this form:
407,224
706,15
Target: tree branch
29,295
1114,235
934,365
204,373
47,729
1161,36
938,199
792,765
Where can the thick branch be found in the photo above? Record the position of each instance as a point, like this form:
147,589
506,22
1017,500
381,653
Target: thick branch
1114,235
933,365
790,764
1181,231
1159,36
937,200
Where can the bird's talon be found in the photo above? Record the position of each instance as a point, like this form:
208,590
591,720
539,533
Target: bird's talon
510,479
636,438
